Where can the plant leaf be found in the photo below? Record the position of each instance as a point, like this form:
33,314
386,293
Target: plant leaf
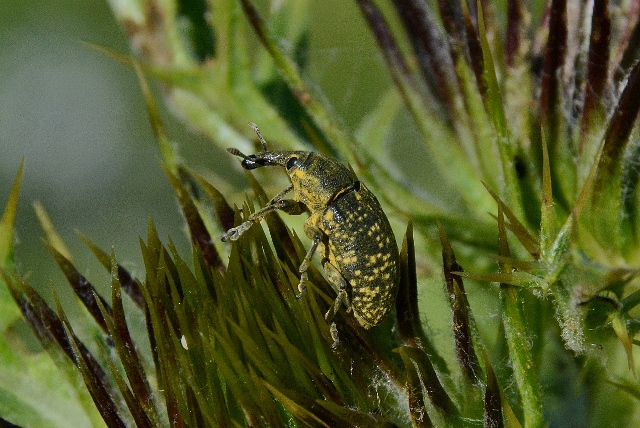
620,328
528,241
83,288
337,139
52,236
516,336
197,228
462,316
416,360
9,313
430,50
128,283
492,396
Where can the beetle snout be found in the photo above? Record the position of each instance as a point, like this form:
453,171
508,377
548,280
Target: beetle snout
252,163
261,159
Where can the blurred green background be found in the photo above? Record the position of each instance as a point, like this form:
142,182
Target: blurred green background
78,120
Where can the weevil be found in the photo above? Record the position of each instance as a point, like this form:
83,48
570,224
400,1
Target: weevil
346,225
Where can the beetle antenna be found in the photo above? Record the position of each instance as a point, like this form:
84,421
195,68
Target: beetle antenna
257,131
237,152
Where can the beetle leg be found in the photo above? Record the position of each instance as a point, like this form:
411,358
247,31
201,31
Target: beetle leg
340,298
280,195
331,313
235,232
302,286
335,277
334,335
290,206
287,205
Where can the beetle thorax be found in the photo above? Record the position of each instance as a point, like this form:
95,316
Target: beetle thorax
318,179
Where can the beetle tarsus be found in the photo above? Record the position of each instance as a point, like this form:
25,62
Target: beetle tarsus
333,310
334,335
235,232
302,286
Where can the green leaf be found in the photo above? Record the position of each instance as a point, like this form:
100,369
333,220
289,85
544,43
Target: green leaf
620,328
461,311
83,288
129,284
197,228
528,241
9,313
525,374
47,385
33,392
8,219
547,217
157,126
417,361
492,396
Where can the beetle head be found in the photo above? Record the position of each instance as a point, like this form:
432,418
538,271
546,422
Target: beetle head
316,179
286,159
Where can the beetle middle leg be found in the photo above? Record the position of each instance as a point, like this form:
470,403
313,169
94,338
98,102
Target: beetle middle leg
302,285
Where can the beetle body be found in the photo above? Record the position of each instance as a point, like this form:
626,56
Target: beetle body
346,225
360,245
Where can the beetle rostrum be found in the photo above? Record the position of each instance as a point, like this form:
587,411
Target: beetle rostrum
346,225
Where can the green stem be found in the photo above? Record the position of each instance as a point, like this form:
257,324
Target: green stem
521,360
517,337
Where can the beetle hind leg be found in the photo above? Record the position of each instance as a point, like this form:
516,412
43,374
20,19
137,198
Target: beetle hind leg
342,297
335,277
334,335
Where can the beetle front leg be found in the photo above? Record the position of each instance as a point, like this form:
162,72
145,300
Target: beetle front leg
289,206
235,232
280,195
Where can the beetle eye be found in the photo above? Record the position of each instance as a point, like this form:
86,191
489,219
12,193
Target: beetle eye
293,161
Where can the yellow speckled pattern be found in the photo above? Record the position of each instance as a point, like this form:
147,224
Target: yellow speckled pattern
363,248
